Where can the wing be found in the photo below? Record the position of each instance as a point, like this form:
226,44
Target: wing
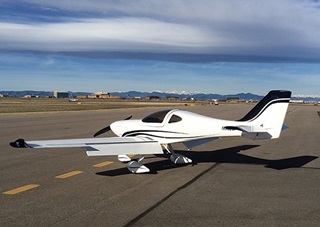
98,146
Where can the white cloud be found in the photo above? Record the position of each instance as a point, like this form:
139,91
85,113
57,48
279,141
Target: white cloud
288,28
101,34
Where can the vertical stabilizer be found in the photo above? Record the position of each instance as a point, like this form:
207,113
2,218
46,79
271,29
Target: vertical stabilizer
270,112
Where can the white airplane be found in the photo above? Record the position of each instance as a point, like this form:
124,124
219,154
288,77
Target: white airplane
155,133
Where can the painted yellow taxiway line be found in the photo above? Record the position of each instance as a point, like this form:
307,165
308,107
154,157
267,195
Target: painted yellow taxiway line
70,174
103,164
21,189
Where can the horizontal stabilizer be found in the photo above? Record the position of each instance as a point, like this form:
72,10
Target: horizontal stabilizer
254,132
256,135
246,128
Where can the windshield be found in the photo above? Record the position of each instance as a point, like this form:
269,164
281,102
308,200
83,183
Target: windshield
156,117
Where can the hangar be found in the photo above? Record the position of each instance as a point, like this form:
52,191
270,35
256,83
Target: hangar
61,94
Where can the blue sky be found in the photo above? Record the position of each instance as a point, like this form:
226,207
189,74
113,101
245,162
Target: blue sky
211,46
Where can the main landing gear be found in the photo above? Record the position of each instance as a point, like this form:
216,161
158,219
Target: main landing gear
138,167
175,157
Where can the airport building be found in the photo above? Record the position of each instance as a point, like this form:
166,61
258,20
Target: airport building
102,95
297,101
61,94
233,99
99,95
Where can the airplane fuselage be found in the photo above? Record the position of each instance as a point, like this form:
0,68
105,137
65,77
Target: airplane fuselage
176,126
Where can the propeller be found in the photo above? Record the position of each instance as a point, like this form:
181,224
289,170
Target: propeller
107,129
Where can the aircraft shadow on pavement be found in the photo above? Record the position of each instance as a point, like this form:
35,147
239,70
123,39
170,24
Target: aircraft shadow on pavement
227,155
153,166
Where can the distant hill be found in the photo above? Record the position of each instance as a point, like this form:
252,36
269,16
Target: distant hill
198,96
180,95
27,92
205,96
37,93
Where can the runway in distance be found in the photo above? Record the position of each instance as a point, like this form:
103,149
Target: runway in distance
155,133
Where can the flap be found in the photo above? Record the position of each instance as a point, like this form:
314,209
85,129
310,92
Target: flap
151,147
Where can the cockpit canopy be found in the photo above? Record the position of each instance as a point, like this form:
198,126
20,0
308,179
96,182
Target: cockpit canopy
158,117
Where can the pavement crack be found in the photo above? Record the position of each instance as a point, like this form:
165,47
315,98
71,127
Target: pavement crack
140,216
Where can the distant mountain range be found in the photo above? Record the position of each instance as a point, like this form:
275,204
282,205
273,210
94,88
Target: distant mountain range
179,94
198,96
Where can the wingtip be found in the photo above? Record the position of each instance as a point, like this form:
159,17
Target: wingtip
19,143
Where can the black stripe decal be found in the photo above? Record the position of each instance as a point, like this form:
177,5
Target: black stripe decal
148,133
250,116
143,131
163,137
